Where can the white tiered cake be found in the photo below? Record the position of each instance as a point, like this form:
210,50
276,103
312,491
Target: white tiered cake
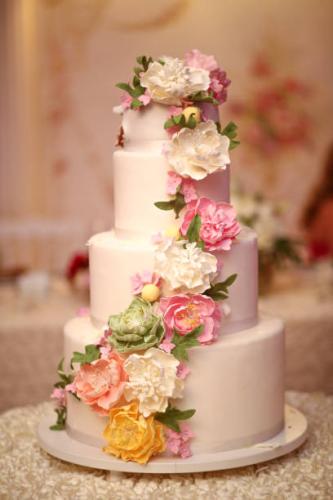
236,381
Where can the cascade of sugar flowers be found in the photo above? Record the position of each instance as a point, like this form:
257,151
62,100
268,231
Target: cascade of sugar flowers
137,370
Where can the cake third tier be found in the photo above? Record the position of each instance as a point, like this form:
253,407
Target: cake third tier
114,260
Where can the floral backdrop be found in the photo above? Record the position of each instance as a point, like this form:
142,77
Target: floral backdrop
277,58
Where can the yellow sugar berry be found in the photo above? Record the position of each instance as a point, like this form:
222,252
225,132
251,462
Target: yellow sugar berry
192,110
150,293
172,232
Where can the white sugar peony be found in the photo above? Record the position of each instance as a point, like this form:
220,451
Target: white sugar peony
198,152
168,83
184,267
152,380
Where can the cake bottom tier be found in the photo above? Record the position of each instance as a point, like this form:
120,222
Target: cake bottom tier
236,386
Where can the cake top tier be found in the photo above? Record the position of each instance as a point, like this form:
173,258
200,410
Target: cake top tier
176,82
176,101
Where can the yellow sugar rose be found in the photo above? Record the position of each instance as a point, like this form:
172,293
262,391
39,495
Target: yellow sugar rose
130,436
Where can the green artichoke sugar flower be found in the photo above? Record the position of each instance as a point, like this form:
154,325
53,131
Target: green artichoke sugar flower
137,328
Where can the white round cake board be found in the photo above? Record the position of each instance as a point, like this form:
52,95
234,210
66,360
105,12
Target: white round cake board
61,445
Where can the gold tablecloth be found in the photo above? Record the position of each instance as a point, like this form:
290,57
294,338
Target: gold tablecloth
27,472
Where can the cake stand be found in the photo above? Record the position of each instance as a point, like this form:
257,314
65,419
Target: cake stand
61,445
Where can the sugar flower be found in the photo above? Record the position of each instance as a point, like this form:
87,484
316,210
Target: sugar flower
139,280
178,442
169,81
186,186
219,84
101,383
59,396
184,267
197,59
130,436
152,380
137,328
197,152
184,313
219,226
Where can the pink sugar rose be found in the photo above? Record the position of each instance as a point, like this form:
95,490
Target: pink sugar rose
178,442
59,396
139,280
196,59
219,226
184,313
100,384
219,84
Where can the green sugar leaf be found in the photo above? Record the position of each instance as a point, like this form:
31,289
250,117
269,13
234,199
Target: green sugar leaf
179,204
194,229
124,86
135,104
230,280
185,342
220,291
165,205
171,417
91,354
169,123
136,81
191,122
230,130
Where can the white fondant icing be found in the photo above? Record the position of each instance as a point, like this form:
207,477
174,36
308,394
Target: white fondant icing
236,386
113,261
139,180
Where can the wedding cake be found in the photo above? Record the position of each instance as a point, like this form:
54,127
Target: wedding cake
173,359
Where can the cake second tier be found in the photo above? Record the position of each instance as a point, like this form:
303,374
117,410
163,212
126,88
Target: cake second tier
114,260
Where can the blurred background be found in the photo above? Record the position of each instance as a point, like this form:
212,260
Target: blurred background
60,60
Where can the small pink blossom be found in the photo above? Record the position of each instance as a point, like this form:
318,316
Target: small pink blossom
167,345
184,313
196,59
59,396
188,190
219,226
178,442
186,186
145,98
174,111
105,351
70,388
100,384
126,101
103,340
183,371
139,280
219,84
173,182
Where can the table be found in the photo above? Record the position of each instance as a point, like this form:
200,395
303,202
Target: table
27,472
31,342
